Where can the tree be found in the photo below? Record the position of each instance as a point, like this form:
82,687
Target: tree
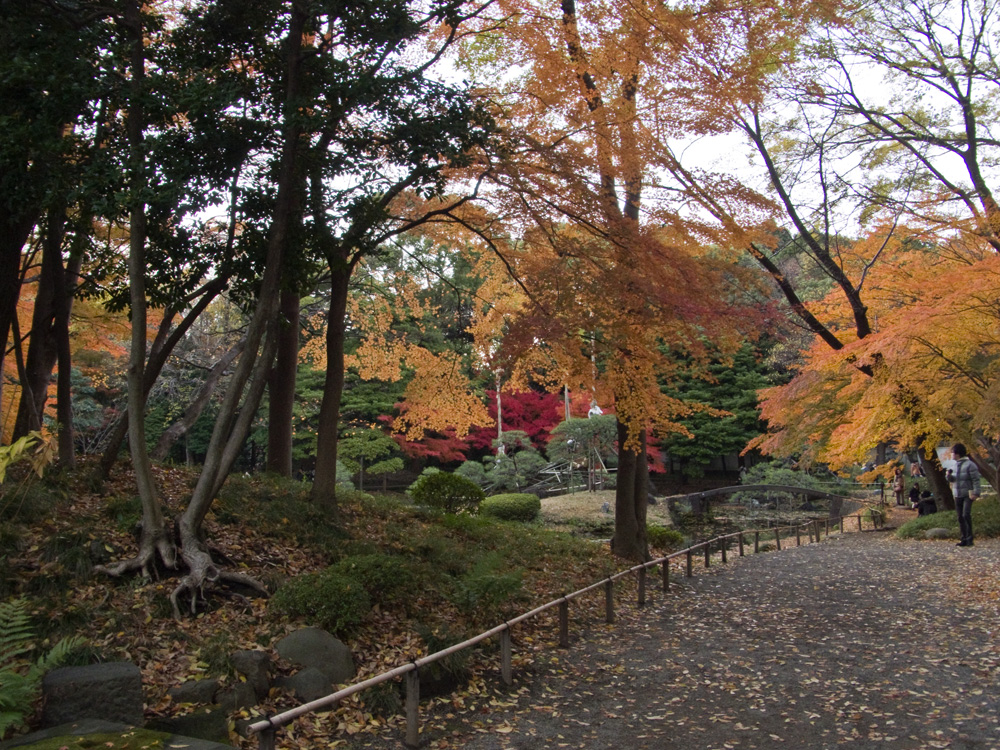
926,130
532,412
613,267
368,451
730,388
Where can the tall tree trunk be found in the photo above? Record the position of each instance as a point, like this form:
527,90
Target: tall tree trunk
15,228
281,387
932,469
68,278
49,340
154,534
42,346
250,376
324,488
631,498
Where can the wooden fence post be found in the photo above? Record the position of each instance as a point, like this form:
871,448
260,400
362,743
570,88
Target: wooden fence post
413,708
642,587
609,601
266,739
564,623
666,575
859,522
708,553
756,542
723,544
777,537
506,656
841,524
798,535
688,563
739,540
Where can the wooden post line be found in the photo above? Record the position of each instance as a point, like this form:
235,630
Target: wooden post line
266,729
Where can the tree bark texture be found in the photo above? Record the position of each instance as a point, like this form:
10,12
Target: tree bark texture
281,387
631,499
324,489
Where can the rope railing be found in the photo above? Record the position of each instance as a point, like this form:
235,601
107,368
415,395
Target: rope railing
266,729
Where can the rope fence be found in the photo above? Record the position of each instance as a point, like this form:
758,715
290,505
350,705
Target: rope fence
266,729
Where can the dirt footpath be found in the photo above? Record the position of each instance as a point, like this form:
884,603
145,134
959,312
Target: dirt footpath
863,641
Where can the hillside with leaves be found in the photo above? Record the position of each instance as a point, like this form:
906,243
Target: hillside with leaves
455,576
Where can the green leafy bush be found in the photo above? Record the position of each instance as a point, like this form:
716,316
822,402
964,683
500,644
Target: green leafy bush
985,521
330,599
450,492
21,677
514,506
487,591
386,578
663,537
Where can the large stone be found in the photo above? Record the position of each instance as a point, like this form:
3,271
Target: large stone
256,667
240,695
308,684
939,534
98,733
314,647
195,691
211,725
112,692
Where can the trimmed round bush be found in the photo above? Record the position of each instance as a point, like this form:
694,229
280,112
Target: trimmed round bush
329,599
450,492
663,537
513,506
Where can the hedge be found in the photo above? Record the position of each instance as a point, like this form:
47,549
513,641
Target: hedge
513,506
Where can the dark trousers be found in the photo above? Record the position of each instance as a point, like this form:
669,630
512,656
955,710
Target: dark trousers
963,506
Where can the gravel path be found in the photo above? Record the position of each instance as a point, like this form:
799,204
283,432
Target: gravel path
862,640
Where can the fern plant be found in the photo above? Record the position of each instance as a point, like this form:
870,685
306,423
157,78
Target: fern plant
20,677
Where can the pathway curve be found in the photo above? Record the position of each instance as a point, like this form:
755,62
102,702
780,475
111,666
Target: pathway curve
863,640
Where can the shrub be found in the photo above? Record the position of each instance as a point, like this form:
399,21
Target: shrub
486,591
663,537
985,521
384,577
450,492
475,471
514,506
329,598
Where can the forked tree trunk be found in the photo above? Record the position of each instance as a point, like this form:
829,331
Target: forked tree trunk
249,379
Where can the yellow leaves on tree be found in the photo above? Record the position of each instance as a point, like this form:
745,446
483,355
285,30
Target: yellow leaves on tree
934,358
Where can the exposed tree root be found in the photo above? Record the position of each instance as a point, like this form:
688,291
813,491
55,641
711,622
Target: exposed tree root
150,546
202,574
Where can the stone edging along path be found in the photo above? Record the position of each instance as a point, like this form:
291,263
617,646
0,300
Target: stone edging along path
863,640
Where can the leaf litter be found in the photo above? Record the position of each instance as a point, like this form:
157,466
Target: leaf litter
863,641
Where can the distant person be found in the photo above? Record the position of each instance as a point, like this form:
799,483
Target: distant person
898,485
915,471
927,505
966,490
914,495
